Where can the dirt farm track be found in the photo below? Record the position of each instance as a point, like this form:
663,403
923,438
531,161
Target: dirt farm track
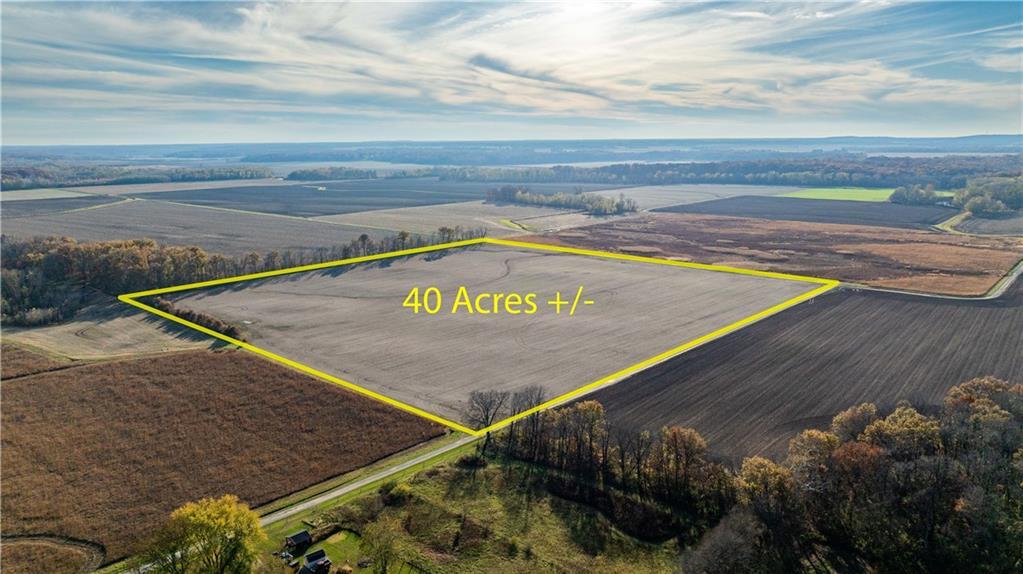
752,390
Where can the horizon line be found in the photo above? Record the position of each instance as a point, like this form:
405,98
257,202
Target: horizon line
521,140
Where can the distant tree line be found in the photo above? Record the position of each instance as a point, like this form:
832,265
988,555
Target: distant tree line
47,279
591,203
331,173
63,175
523,153
904,492
948,172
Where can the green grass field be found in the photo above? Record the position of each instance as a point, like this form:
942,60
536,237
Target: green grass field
849,193
461,523
843,193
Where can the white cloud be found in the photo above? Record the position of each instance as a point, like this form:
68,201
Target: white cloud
591,60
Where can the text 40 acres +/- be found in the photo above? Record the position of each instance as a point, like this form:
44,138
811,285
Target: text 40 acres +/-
431,301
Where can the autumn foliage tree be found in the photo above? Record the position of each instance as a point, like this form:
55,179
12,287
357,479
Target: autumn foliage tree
904,492
212,536
47,279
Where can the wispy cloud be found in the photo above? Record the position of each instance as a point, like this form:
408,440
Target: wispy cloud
489,70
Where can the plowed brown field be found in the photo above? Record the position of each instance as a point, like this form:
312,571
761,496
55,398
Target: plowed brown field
751,391
884,257
103,452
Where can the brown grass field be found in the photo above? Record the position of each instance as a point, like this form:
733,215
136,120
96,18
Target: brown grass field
34,556
907,259
103,452
18,361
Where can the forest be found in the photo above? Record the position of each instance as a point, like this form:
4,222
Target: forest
992,197
331,173
948,172
67,174
986,197
895,492
47,279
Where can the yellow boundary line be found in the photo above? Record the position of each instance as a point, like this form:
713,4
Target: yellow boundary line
826,285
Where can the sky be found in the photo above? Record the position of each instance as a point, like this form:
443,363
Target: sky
170,72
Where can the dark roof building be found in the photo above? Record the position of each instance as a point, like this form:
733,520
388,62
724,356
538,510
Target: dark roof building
298,540
316,563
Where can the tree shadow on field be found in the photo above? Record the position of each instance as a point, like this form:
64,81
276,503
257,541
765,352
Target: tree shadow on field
181,332
333,272
587,528
465,483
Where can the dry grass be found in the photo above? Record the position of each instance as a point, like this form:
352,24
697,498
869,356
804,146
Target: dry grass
135,188
103,452
35,556
18,361
885,257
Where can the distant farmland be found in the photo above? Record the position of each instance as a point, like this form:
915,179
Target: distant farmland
754,389
844,193
818,211
885,257
495,218
654,196
337,197
30,207
215,230
102,452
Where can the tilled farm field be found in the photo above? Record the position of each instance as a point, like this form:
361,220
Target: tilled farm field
751,391
1005,226
349,321
215,230
103,452
138,188
821,211
336,197
654,196
495,218
914,260
56,205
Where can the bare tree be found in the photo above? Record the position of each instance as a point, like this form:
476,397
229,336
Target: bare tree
521,401
483,409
